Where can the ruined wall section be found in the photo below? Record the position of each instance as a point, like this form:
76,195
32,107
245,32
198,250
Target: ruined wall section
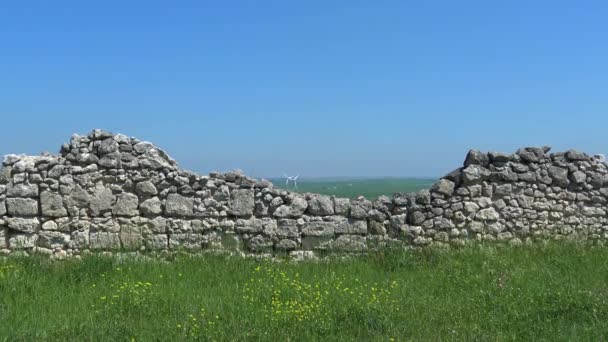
529,195
112,192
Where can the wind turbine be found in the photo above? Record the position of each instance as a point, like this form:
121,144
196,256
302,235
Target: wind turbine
292,179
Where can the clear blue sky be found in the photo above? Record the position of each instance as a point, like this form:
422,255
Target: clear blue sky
323,88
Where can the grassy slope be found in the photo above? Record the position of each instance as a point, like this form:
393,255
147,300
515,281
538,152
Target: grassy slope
370,188
558,292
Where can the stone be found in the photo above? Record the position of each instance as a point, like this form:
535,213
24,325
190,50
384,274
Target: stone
23,241
574,155
53,239
321,206
51,204
126,205
131,236
288,228
22,190
101,201
151,207
107,146
49,225
474,174
104,240
351,226
444,187
475,157
2,207
25,225
342,206
146,189
559,175
416,218
488,214
318,228
578,177
79,197
242,202
296,208
178,205
286,245
22,207
259,243
360,208
156,241
349,243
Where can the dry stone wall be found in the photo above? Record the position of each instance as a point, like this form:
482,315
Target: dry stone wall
113,192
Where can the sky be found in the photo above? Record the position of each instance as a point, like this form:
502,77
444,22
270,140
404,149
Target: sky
319,88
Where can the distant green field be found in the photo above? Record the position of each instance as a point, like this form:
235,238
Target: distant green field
353,187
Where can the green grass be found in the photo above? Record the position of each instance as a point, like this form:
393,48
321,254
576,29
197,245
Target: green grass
551,293
352,187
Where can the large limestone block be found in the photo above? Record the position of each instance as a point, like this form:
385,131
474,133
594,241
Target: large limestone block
102,200
444,187
151,207
296,208
321,206
51,204
22,207
21,241
126,205
178,205
241,202
22,190
104,240
53,239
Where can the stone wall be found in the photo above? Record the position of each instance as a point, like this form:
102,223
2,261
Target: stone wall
113,192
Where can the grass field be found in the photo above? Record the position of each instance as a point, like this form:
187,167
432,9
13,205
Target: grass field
551,293
352,187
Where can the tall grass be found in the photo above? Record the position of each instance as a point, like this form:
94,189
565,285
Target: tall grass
554,292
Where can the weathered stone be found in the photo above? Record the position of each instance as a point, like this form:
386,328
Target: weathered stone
574,155
242,202
53,239
321,206
578,177
559,175
259,243
295,209
104,240
22,207
126,205
286,245
474,174
25,225
151,207
51,204
79,197
178,205
475,157
287,228
342,206
349,243
188,241
319,228
444,187
22,241
488,214
360,208
22,190
101,201
146,188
